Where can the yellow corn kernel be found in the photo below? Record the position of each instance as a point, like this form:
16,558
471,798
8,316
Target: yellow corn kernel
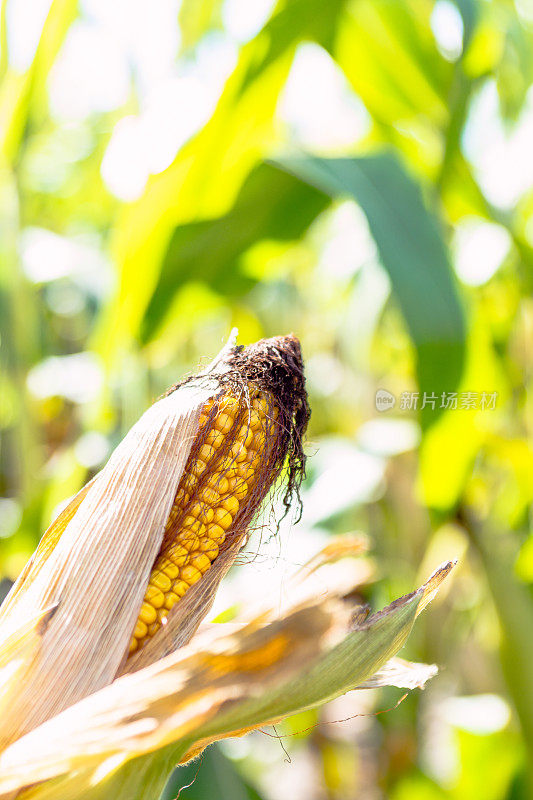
198,467
182,498
154,596
223,423
222,518
245,472
251,453
180,587
189,540
258,441
215,438
255,421
177,554
162,614
208,495
253,459
206,453
160,581
190,574
171,599
219,483
216,533
193,524
238,452
188,484
141,629
201,561
232,472
147,613
225,464
230,405
133,645
202,512
209,547
230,504
171,569
239,488
261,404
245,435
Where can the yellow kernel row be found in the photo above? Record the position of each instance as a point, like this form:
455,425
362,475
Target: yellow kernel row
208,499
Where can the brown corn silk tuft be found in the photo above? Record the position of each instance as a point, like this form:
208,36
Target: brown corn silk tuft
246,431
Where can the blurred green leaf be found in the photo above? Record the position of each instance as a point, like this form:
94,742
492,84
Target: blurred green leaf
294,22
413,253
195,18
202,182
390,57
469,10
487,765
515,70
271,205
212,776
24,95
515,612
207,174
448,449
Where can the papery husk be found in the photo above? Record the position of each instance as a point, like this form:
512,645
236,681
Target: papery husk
123,741
94,578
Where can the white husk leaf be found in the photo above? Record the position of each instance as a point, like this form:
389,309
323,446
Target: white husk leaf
401,673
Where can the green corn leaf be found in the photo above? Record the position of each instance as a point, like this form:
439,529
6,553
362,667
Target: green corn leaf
217,775
23,94
197,17
271,205
208,172
390,57
411,250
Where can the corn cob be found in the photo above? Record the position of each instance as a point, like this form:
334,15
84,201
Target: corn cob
216,488
248,434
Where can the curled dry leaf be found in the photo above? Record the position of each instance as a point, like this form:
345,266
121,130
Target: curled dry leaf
219,685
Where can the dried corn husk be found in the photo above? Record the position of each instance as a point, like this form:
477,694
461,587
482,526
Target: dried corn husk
94,578
124,740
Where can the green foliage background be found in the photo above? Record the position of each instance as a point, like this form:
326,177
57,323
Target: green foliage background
235,231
